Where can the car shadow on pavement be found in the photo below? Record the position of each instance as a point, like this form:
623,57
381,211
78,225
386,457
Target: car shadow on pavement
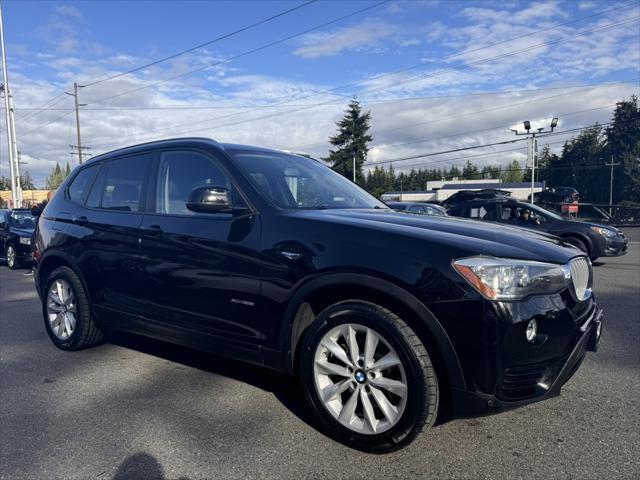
141,466
285,388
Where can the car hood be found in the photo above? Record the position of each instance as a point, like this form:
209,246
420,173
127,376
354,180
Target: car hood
22,232
470,237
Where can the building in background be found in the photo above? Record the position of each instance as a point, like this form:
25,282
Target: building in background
440,190
30,198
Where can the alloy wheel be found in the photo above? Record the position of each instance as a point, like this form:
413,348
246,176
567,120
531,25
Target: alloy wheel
61,309
11,256
360,379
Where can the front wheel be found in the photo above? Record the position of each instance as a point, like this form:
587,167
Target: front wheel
368,377
12,257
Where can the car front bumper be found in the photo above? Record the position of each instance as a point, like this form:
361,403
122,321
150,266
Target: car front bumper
616,247
23,253
467,403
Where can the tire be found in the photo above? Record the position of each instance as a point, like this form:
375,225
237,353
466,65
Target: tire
576,242
414,413
11,255
85,333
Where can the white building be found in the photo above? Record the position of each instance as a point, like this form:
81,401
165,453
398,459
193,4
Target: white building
440,190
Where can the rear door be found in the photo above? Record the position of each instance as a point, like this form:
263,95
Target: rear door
4,230
104,235
202,271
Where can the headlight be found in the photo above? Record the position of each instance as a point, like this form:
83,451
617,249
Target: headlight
507,279
25,241
605,231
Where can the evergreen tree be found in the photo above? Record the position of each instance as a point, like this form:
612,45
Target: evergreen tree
67,170
546,160
470,171
579,165
352,139
56,178
513,172
623,146
26,182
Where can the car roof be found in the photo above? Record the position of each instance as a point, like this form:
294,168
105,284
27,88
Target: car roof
184,141
491,199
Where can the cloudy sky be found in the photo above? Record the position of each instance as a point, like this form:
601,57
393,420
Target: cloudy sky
436,75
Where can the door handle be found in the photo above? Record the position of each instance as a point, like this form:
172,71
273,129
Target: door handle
152,231
80,220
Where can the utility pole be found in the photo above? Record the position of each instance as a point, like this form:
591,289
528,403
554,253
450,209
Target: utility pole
354,165
16,154
16,193
611,183
75,97
75,150
533,147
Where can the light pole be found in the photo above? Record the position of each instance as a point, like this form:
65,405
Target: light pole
534,146
612,164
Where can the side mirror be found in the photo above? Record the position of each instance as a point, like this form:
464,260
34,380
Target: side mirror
210,199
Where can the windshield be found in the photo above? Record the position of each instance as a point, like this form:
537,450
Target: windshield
544,213
294,182
22,219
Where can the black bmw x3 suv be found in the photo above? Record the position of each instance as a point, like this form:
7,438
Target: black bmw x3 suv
388,318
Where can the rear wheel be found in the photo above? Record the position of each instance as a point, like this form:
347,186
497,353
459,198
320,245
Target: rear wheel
67,315
12,257
368,377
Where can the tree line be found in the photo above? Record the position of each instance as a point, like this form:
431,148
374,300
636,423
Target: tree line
581,163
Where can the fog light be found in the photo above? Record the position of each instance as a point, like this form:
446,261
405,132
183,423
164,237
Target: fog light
598,330
532,330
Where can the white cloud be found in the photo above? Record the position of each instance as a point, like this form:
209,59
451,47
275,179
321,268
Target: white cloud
537,11
400,127
324,44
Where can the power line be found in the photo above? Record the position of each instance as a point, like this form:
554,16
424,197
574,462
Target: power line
261,22
446,160
202,45
325,103
339,102
243,54
331,91
40,127
41,107
369,103
345,86
378,131
484,129
466,52
432,154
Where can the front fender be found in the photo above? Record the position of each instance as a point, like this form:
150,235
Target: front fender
382,287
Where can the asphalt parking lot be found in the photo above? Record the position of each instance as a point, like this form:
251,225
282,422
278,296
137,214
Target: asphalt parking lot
138,408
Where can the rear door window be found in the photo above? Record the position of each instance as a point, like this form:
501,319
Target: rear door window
81,183
121,183
480,212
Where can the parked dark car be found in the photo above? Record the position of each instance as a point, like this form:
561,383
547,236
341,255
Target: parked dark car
594,239
465,195
16,228
388,319
556,195
419,208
